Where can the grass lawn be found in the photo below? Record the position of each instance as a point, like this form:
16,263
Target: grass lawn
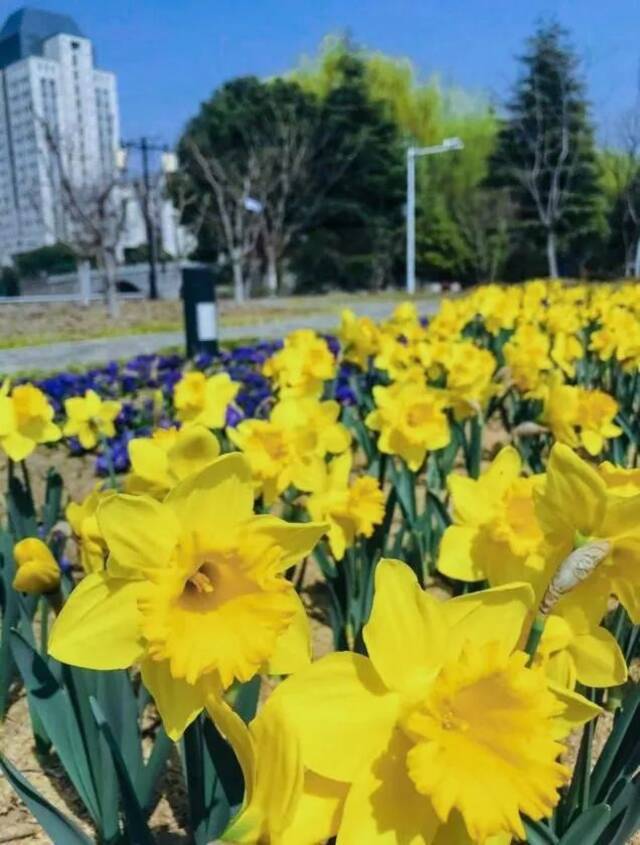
38,325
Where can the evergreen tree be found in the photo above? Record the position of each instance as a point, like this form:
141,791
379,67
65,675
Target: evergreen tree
357,237
545,154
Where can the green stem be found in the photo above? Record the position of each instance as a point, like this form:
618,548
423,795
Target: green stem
535,635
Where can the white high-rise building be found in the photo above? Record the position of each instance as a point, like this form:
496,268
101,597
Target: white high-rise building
48,78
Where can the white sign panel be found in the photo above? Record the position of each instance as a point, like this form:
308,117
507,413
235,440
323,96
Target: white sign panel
206,322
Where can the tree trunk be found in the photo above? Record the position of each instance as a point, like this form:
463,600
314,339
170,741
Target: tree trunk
552,256
238,280
636,263
272,271
110,267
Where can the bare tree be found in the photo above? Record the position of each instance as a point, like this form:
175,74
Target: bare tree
237,225
93,213
287,187
185,202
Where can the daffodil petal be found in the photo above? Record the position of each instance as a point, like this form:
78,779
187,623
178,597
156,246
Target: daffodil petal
574,488
293,646
178,702
224,489
577,711
498,614
140,534
318,812
149,461
343,693
384,807
195,447
98,627
598,659
456,558
622,517
406,633
295,539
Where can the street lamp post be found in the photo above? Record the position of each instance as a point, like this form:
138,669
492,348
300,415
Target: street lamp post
447,145
145,146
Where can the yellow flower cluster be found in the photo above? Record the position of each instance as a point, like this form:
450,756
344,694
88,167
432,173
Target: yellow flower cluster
467,450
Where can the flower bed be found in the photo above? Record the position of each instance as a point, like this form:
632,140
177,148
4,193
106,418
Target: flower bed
457,500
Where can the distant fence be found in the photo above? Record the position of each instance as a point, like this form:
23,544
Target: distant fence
133,277
84,286
44,298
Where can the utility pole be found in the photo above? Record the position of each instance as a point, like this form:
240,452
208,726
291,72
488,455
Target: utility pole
448,145
145,146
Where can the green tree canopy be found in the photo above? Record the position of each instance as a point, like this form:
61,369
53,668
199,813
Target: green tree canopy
545,153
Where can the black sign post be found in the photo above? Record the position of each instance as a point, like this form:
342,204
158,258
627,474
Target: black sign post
200,310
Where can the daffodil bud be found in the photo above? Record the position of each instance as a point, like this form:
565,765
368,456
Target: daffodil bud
575,568
36,568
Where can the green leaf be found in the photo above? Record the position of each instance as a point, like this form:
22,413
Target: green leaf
9,607
539,834
115,695
57,826
156,763
618,747
209,810
53,706
21,510
81,684
588,827
230,782
246,699
52,500
137,830
630,822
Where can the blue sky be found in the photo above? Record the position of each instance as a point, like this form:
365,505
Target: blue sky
170,54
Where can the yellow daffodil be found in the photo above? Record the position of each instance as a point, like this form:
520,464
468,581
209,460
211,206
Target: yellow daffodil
159,462
576,511
350,510
561,409
302,366
443,733
26,420
290,448
620,481
268,449
84,524
194,590
36,568
313,430
566,350
574,648
283,803
202,400
359,338
596,411
89,417
527,356
411,421
397,359
495,534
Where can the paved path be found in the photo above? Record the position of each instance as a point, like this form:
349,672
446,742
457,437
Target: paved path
58,356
